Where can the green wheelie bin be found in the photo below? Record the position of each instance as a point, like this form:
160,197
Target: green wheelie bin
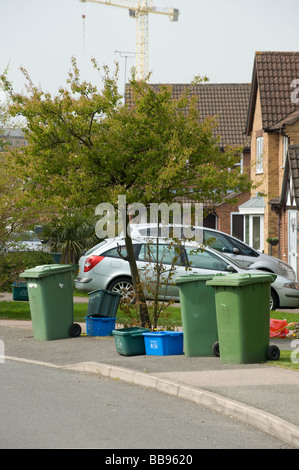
198,313
50,291
243,317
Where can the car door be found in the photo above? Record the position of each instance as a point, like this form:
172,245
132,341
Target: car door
202,261
163,260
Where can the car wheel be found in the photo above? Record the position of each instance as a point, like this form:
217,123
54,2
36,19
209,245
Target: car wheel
123,286
273,300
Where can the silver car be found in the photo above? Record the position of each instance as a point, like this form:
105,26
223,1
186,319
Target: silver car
103,267
26,241
240,252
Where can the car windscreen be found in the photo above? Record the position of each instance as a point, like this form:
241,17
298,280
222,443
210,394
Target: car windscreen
244,249
226,244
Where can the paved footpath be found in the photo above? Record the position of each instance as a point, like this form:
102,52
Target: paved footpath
263,395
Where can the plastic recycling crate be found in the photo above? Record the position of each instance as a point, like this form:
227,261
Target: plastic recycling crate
20,291
103,303
130,341
99,326
163,343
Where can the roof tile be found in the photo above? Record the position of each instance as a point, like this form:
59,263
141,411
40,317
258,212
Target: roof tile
228,103
275,73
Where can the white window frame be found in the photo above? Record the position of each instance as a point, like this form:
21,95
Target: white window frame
285,146
240,163
259,155
249,241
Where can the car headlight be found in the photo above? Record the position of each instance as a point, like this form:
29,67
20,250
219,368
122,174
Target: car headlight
292,285
284,266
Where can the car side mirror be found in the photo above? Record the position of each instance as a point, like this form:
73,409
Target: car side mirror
236,251
231,269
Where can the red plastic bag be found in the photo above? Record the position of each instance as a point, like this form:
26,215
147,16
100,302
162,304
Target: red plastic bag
278,328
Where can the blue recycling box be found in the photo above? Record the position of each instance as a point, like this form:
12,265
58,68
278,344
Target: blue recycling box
163,343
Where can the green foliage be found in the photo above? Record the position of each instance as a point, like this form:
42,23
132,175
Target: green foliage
12,264
15,214
85,147
62,134
71,234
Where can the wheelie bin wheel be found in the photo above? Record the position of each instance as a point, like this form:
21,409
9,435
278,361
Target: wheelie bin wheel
215,349
273,353
75,330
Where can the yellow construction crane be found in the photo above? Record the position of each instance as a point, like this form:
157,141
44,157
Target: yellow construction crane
140,10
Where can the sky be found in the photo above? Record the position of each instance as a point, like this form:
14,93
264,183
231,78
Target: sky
217,38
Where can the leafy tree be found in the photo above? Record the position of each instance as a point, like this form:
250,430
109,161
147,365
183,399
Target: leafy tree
18,212
86,147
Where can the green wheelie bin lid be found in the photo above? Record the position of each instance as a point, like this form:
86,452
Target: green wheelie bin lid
46,270
238,280
193,278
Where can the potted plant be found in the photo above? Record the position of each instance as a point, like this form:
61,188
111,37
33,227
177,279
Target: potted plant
273,242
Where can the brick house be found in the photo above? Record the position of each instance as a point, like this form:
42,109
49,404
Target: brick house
228,103
273,124
14,137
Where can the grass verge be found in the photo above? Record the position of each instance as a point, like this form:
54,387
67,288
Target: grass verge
288,316
21,311
287,361
171,317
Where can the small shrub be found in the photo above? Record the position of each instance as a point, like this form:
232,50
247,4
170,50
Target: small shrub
14,263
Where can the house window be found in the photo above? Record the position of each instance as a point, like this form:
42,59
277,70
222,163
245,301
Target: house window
253,230
285,146
240,164
259,155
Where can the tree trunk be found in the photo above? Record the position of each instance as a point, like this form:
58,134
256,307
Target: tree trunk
138,290
156,295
